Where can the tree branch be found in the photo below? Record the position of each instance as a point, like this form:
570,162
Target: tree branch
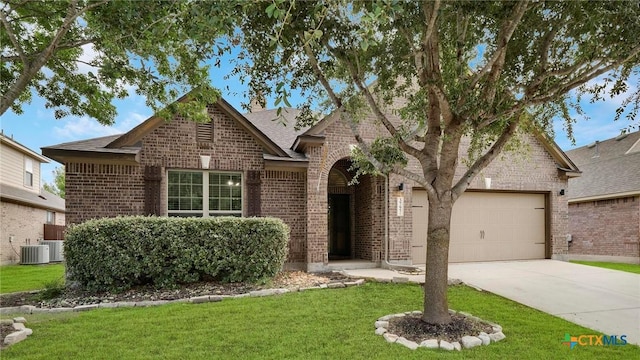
40,59
462,24
504,37
12,38
485,159
373,105
349,120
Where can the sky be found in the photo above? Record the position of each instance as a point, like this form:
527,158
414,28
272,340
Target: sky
37,126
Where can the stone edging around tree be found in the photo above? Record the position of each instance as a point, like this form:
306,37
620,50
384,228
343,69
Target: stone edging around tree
466,342
21,332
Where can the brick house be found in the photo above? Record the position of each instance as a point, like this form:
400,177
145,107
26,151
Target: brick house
604,203
28,213
249,165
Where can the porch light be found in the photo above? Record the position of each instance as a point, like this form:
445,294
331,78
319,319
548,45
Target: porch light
401,187
561,192
205,160
487,183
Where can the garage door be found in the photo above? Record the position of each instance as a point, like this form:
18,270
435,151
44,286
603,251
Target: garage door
486,226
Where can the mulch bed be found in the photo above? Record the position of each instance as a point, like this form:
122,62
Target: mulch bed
4,331
412,327
74,297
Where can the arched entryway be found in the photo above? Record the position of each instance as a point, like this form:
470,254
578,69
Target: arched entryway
355,214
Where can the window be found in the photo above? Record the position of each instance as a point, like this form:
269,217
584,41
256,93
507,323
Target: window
28,172
51,218
204,194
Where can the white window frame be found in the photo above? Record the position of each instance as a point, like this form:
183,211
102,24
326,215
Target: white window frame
51,217
28,172
206,212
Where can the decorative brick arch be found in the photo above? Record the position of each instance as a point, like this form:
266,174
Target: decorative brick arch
365,209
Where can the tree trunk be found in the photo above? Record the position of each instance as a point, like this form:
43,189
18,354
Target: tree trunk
436,309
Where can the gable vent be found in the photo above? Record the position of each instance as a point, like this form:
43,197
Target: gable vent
204,132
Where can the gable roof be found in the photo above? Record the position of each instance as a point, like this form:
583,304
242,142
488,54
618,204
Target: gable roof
132,137
125,148
44,200
611,168
271,124
315,134
21,148
95,148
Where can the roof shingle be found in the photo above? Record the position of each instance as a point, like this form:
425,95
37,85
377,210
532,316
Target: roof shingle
608,168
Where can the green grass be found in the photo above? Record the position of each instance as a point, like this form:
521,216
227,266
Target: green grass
28,277
632,268
320,324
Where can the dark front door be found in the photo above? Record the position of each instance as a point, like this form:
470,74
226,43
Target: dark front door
339,227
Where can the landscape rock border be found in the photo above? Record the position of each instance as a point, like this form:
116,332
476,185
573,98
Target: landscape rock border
466,342
21,331
31,309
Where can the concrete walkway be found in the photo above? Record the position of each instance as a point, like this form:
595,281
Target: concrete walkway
600,299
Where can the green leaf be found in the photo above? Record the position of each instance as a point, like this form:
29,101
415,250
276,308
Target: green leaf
270,9
364,45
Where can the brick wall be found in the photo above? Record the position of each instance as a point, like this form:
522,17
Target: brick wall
605,227
25,225
283,196
529,169
95,190
99,190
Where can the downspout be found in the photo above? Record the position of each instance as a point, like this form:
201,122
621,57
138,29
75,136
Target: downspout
385,261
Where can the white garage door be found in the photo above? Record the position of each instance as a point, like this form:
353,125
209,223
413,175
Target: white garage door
486,226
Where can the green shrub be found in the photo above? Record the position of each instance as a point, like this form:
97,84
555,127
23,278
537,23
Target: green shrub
118,253
51,289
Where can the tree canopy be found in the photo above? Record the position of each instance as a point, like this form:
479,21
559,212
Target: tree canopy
478,69
58,185
80,55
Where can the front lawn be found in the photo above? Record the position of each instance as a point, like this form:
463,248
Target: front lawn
632,268
318,324
28,277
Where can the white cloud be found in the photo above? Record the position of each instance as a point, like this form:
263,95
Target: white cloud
85,127
89,54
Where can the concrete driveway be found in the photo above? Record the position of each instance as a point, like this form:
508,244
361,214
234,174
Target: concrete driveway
599,299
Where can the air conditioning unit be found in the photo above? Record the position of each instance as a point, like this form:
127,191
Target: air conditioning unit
34,254
56,249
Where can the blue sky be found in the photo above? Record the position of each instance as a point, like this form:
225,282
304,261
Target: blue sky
37,127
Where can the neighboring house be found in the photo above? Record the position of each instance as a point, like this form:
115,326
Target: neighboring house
604,204
249,165
28,212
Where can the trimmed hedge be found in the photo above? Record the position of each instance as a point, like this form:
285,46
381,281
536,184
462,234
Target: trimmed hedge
119,253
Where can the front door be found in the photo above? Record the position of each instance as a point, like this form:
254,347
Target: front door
339,227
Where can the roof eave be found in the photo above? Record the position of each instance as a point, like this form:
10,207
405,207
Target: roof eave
71,156
564,162
605,196
570,172
302,141
25,202
296,165
23,149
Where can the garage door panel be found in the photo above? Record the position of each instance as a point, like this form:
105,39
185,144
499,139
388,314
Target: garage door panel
487,226
420,216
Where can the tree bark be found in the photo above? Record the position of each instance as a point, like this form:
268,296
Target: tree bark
436,309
